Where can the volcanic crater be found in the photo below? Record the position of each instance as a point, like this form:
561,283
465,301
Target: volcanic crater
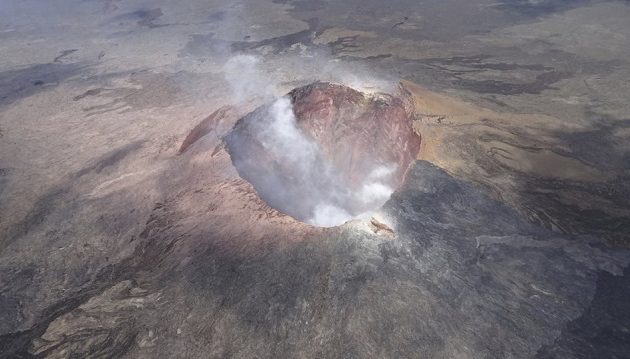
325,153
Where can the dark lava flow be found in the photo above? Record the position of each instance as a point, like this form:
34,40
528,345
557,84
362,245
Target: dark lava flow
325,153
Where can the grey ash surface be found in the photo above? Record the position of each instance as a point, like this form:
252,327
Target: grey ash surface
464,273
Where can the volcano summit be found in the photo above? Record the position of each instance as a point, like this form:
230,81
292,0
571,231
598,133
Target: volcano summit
325,153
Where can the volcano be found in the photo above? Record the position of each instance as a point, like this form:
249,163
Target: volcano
325,153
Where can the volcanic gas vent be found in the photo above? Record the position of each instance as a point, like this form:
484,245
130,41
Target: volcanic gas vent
325,153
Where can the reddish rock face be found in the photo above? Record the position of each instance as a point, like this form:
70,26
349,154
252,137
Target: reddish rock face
325,153
356,131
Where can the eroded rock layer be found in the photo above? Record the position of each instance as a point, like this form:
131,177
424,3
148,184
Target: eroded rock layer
356,130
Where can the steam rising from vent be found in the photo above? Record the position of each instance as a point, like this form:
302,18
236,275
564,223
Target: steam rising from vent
246,80
324,153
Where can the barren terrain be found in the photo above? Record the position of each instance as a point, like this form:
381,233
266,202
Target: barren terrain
126,230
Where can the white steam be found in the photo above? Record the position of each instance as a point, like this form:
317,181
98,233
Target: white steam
374,189
327,215
246,81
283,138
372,195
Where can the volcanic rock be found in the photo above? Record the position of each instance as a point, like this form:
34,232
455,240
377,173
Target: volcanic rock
355,129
